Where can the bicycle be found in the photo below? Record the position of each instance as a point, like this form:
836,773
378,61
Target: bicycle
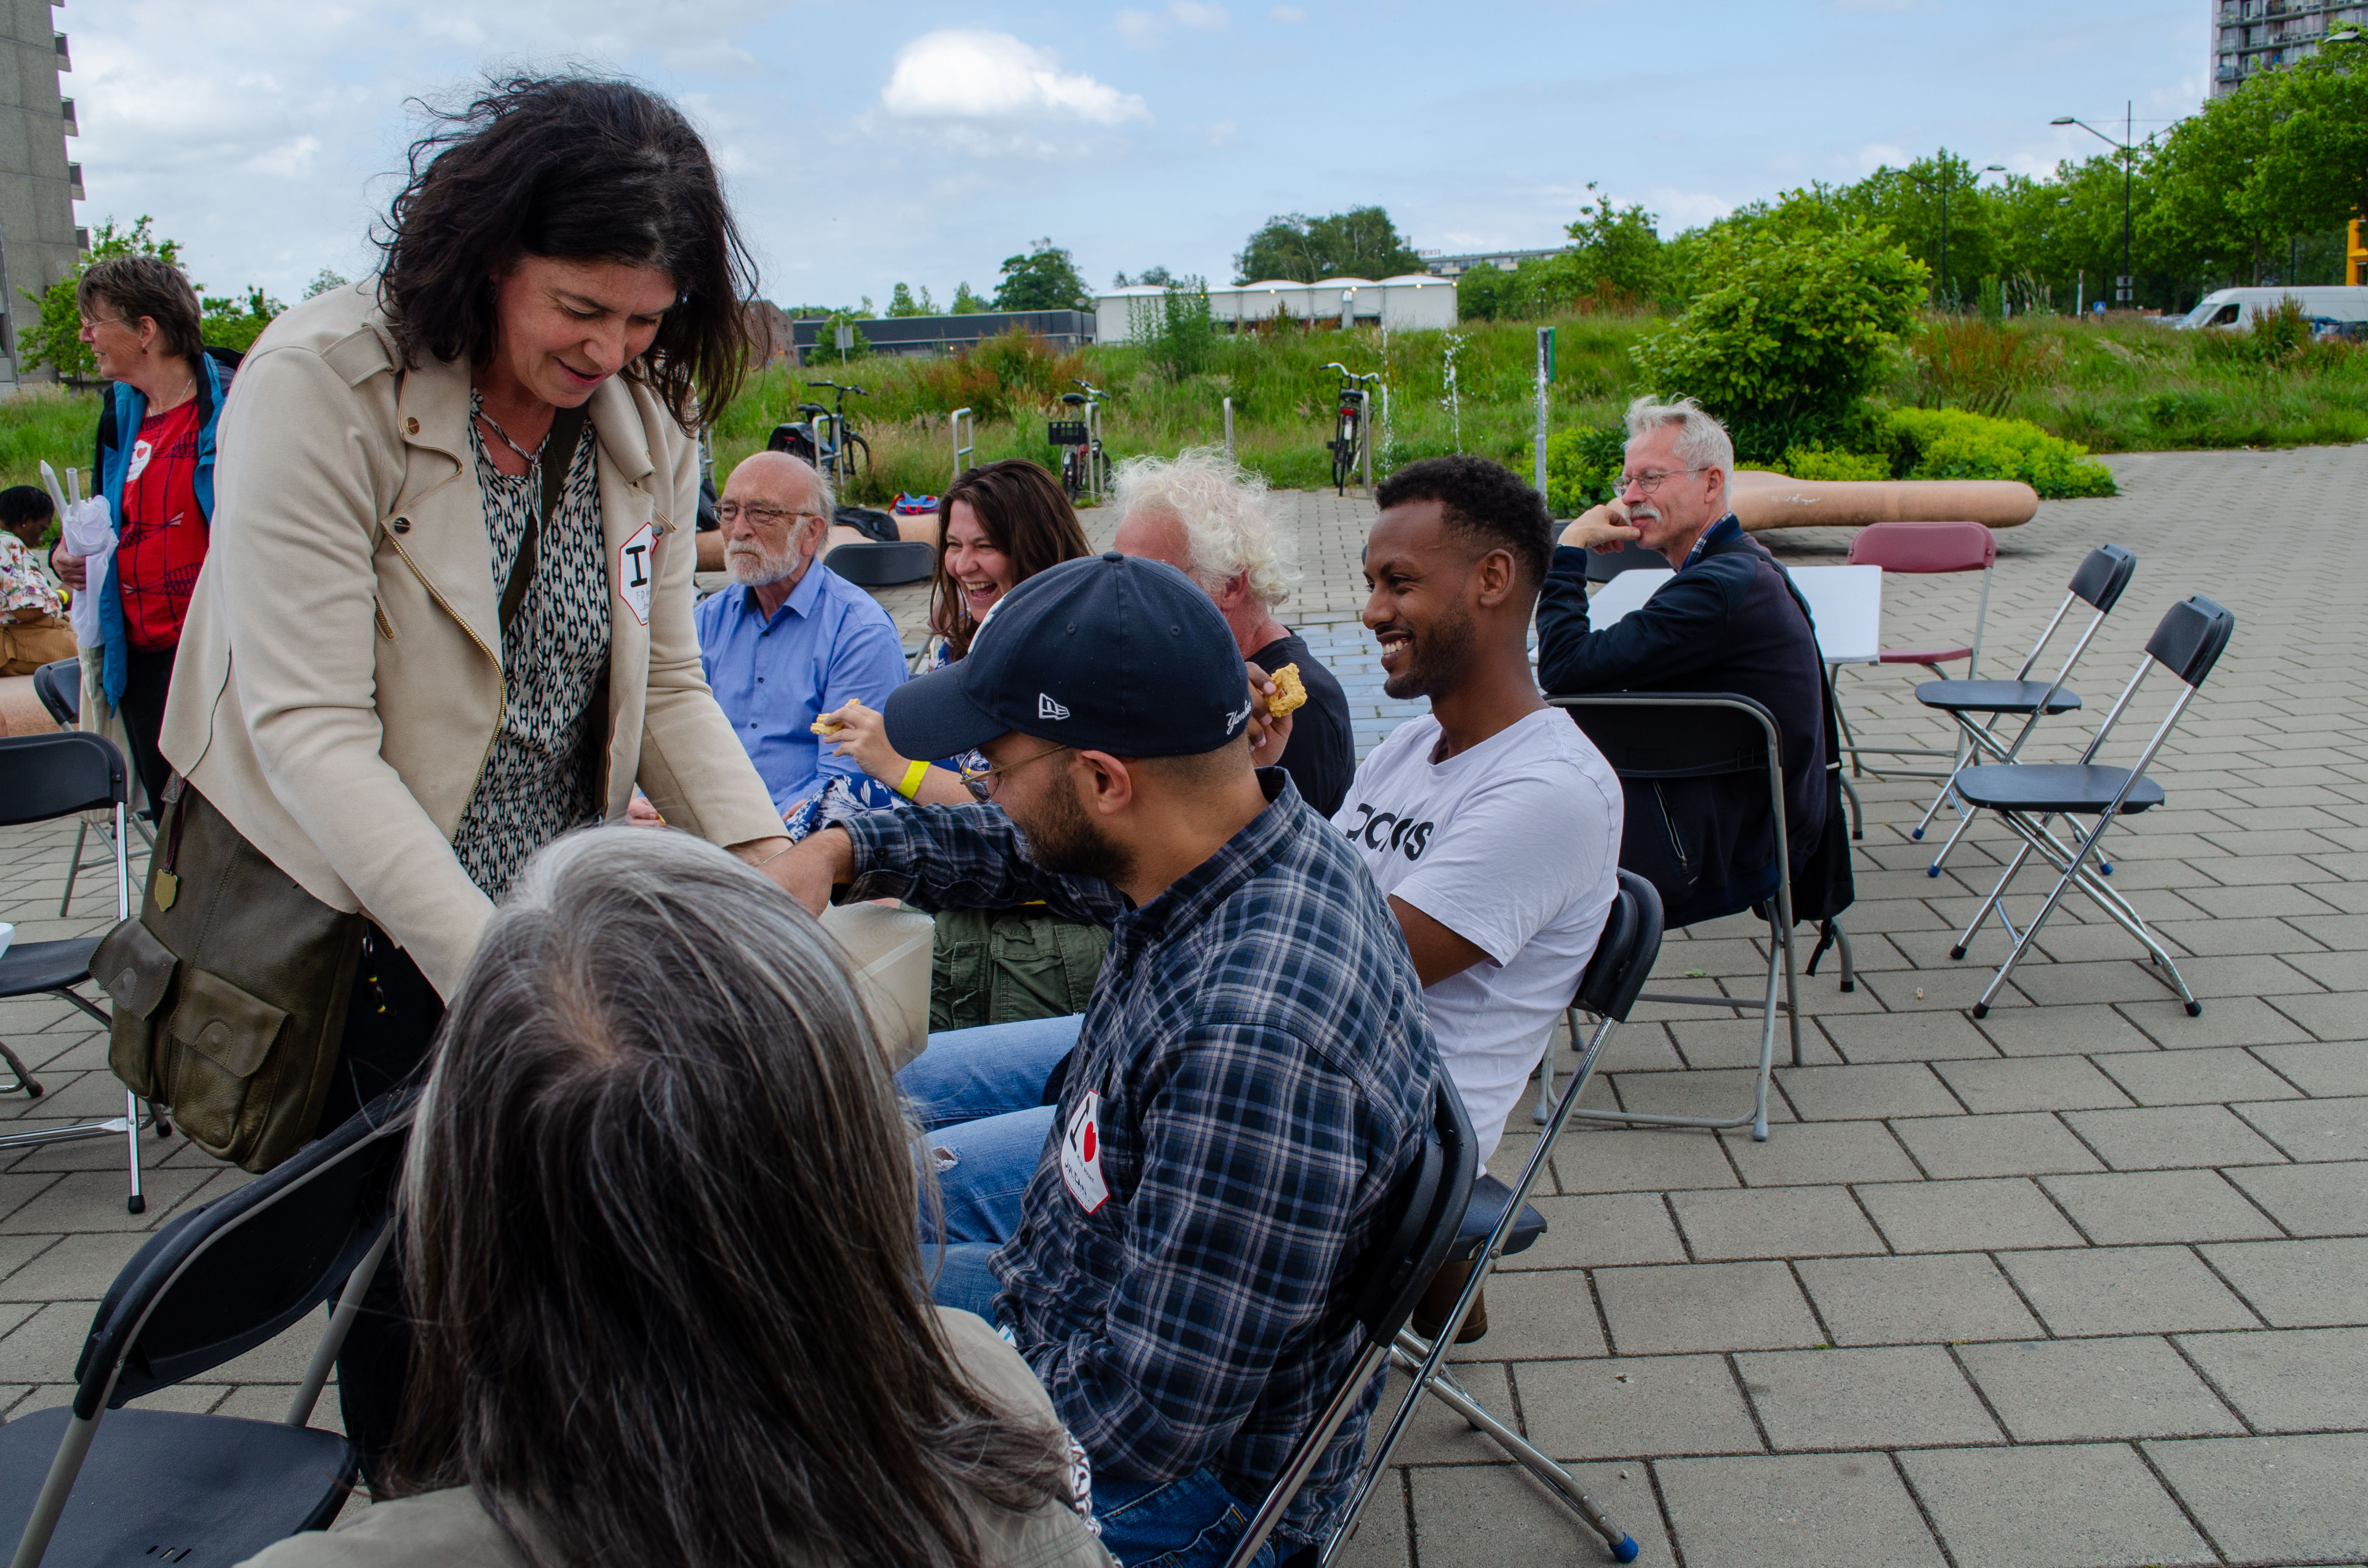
826,438
1350,419
1085,467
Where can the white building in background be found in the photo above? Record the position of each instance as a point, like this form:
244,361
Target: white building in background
2249,34
1403,304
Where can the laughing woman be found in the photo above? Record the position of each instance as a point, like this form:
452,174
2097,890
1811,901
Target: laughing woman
447,613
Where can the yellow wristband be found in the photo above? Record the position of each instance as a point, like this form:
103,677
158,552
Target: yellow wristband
911,784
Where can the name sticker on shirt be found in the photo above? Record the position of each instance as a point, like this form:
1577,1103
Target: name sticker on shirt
636,573
1081,1155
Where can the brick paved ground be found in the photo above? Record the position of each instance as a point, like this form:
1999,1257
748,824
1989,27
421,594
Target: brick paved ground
2083,1283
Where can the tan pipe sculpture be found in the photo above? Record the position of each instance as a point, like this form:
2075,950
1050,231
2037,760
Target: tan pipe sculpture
1774,501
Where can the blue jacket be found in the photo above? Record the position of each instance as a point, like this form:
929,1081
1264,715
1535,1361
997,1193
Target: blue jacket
124,409
1729,621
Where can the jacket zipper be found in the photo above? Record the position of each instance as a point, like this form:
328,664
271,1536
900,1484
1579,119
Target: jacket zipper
503,713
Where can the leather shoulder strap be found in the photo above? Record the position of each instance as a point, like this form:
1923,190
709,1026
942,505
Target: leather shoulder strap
558,457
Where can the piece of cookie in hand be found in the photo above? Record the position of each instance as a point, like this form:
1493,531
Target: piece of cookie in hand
1289,693
830,726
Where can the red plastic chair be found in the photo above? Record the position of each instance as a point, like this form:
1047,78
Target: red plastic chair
1924,548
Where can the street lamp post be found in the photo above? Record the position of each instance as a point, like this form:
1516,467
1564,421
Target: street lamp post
2123,293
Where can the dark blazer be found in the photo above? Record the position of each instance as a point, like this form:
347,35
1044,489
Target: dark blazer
1729,621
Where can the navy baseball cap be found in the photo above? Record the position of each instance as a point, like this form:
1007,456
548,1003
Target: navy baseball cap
1112,653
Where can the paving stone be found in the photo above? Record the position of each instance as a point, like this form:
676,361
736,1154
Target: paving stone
1906,1036
2165,1137
2314,1129
1501,1517
2235,1020
1600,1228
79,1266
1813,1151
1639,1160
2311,1200
1538,1311
1721,1094
2033,1083
1850,1093
1634,1405
1705,1306
1712,1042
2275,1500
2301,1284
2306,1380
2051,1032
2055,1391
2077,1507
1901,1301
2211,1075
2025,1143
2333,1067
1795,1511
2159,1290
1436,1435
1966,1216
2341,1014
1839,1399
1806,1222
2159,1206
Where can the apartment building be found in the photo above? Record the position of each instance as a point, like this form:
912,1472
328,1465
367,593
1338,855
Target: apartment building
2249,34
38,183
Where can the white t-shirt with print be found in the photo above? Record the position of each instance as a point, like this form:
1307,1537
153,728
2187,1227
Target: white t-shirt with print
1514,845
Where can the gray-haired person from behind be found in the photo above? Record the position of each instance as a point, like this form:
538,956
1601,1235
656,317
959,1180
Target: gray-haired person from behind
1211,520
658,1226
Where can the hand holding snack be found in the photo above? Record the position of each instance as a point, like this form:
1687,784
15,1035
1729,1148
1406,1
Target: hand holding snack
855,730
1272,699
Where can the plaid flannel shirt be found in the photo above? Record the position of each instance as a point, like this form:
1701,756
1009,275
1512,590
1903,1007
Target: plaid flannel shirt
1264,1063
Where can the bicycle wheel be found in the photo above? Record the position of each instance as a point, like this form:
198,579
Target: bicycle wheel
858,444
1344,451
1072,473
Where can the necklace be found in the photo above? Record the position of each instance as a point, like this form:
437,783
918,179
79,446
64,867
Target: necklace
495,425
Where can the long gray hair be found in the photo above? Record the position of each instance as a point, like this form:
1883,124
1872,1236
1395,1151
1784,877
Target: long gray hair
660,1242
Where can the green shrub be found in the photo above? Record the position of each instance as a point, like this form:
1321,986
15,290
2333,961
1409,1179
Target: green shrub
1791,330
1815,461
1583,467
1948,443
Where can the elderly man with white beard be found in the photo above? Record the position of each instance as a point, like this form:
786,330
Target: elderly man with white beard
791,639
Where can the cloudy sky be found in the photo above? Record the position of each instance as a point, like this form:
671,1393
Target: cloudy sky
867,143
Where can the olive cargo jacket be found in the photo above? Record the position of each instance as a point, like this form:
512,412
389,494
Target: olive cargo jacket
339,680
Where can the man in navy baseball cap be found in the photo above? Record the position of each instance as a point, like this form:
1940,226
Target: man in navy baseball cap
1167,1201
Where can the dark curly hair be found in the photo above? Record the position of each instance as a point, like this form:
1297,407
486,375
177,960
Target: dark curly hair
1484,503
575,168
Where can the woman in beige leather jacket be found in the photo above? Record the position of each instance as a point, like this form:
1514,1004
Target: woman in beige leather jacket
346,695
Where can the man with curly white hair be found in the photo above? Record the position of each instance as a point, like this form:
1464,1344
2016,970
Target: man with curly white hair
1207,517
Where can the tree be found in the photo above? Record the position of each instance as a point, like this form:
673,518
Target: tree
1623,248
1360,242
902,303
324,280
1789,332
236,323
2208,215
57,339
967,304
2312,173
1044,279
1149,277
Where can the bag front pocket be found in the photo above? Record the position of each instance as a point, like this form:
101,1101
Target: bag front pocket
220,1037
136,972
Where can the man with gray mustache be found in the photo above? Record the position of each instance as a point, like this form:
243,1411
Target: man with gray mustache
1728,621
790,640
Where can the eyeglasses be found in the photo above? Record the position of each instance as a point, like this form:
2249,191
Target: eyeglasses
1652,478
982,782
107,321
762,517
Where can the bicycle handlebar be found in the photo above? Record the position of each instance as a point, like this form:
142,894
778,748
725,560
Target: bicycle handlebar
1092,390
1351,376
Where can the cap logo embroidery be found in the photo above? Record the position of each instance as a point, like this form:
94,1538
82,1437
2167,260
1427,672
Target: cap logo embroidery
1048,709
1233,721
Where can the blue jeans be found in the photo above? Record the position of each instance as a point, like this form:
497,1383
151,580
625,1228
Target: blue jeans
979,1093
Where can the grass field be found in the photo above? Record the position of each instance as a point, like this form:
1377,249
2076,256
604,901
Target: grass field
2118,386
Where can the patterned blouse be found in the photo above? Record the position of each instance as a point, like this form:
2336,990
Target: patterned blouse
534,786
23,584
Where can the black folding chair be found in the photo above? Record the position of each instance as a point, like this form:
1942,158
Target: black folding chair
44,777
1430,1199
59,686
1650,736
2026,796
1982,706
873,565
1500,1222
201,1491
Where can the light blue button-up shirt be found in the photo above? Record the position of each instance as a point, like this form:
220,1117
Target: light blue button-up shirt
830,641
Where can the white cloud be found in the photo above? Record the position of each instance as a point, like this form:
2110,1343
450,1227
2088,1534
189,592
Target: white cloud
1143,30
1875,154
963,76
1191,14
1289,13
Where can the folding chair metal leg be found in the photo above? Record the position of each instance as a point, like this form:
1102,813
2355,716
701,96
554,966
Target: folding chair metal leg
341,1323
1857,807
73,866
25,1080
2074,872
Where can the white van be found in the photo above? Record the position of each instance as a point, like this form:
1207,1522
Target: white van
2236,308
